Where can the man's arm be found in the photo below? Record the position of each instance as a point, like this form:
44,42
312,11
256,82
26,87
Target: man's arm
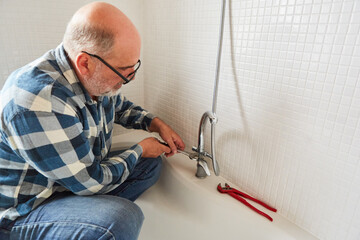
130,115
56,146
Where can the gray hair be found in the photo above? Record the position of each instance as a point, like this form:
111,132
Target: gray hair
87,37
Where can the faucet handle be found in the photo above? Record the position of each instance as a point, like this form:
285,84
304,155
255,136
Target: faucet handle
191,155
203,153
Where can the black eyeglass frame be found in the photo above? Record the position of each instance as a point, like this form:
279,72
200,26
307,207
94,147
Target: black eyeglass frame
126,80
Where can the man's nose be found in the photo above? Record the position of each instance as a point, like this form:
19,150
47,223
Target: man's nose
129,71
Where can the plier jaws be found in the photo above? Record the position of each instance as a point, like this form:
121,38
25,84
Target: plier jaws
241,197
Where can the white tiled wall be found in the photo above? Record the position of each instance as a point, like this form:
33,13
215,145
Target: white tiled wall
289,98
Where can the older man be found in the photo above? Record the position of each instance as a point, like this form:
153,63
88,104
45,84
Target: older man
58,178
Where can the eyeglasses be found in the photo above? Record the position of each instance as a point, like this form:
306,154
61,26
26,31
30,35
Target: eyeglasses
129,76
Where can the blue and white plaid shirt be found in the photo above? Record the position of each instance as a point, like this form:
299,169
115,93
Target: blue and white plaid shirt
54,137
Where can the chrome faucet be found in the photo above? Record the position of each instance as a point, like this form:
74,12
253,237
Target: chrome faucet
202,166
199,153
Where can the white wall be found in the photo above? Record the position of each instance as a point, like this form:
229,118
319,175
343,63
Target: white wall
289,98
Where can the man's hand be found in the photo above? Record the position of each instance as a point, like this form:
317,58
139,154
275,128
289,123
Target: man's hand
153,148
168,135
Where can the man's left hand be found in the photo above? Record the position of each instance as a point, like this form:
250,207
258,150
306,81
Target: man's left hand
168,135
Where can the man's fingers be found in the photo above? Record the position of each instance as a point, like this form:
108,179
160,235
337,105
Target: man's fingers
179,144
172,146
165,149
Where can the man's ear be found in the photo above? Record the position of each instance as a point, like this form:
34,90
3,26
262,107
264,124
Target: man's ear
83,63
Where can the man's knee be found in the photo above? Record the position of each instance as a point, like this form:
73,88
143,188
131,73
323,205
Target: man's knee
124,218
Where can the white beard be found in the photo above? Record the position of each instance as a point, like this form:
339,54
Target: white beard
111,93
96,84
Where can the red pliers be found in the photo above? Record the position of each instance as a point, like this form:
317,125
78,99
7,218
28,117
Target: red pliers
240,196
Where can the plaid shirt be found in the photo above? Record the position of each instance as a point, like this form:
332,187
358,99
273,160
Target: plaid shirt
54,137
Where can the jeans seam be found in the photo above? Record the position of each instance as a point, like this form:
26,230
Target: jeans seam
64,223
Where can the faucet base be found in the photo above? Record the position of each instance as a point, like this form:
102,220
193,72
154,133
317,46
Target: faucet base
200,172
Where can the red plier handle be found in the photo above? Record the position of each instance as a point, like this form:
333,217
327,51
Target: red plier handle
240,196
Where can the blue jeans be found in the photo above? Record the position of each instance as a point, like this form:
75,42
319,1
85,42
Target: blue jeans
111,216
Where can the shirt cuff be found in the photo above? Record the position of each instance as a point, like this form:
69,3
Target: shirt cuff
138,149
132,155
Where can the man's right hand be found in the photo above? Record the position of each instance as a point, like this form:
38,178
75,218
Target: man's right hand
152,148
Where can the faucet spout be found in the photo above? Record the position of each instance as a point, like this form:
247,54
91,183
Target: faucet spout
213,120
201,143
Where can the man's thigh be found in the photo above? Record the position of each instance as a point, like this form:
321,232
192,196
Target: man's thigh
68,216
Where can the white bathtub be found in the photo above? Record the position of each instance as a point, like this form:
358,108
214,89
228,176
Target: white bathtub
181,206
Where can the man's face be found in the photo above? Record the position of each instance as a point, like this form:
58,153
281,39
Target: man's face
106,82
106,77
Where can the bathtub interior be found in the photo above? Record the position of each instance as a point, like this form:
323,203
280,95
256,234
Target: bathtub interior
181,206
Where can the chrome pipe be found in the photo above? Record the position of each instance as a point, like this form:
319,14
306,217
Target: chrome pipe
218,61
216,87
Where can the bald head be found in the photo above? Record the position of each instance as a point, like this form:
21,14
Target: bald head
99,28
